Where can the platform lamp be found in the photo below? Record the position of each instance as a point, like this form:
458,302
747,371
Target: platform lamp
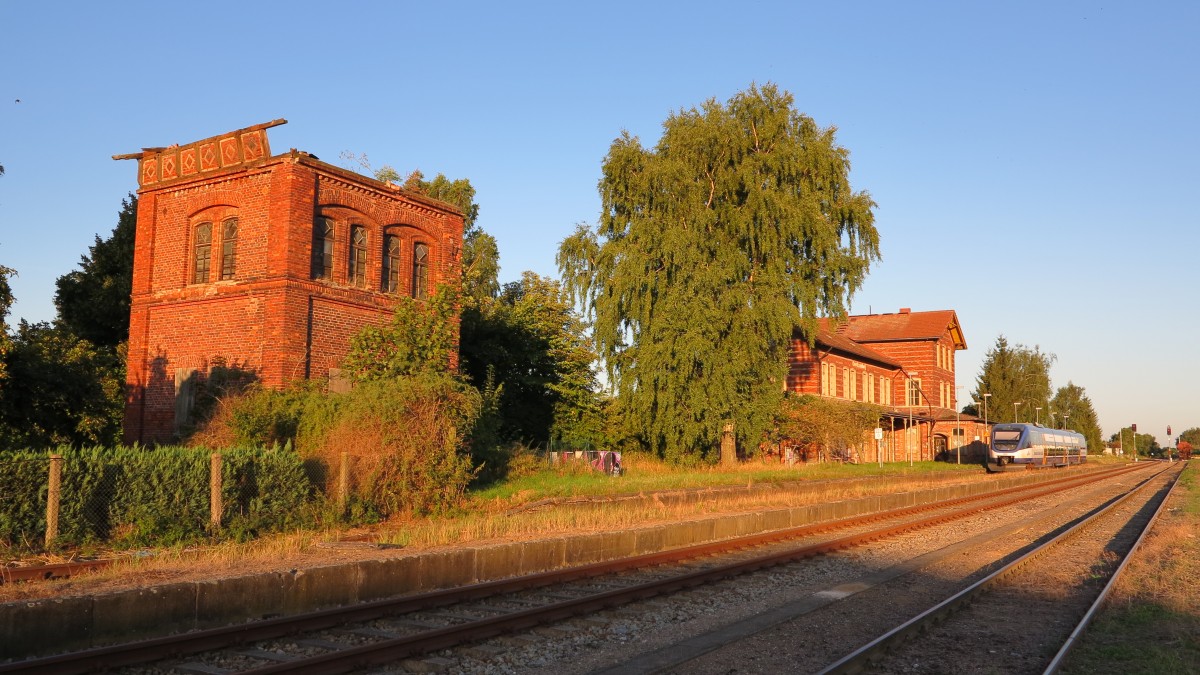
958,434
1015,404
1037,415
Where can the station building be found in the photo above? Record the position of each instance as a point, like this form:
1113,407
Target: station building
902,362
265,264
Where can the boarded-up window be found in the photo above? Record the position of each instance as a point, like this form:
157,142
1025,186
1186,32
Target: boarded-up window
185,395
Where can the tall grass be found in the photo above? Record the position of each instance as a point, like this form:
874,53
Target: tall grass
1152,622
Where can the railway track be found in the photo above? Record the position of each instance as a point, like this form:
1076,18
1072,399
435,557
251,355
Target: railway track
28,573
392,631
1026,616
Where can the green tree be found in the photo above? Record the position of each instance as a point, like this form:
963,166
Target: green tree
1013,375
832,426
480,255
6,301
531,346
93,301
65,381
1072,409
420,339
712,248
1146,444
1192,436
60,389
480,265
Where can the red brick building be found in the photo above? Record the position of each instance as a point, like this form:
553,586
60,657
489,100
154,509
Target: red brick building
266,264
903,362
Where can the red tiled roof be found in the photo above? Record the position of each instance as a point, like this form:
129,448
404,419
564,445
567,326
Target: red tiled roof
904,325
842,344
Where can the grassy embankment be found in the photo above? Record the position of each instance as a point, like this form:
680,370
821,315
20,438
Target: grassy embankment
544,503
510,510
1152,620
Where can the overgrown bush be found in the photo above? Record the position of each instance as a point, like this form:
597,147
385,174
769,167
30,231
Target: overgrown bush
406,440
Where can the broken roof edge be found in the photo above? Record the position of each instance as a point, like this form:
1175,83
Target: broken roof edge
245,130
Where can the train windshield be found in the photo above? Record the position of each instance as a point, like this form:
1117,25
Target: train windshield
1004,439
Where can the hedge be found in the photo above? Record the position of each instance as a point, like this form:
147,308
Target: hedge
137,496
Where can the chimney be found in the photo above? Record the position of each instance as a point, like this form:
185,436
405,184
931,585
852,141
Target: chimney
906,310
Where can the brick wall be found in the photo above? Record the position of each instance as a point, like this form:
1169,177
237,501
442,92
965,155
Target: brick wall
921,361
804,374
272,318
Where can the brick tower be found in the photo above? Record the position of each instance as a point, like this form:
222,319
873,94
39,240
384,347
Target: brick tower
269,264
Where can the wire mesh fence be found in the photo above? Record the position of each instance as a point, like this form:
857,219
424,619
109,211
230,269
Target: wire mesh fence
135,497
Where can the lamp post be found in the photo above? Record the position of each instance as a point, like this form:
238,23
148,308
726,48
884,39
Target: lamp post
1037,415
957,427
1015,404
987,430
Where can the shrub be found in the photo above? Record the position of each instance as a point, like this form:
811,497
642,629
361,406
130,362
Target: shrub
135,496
406,439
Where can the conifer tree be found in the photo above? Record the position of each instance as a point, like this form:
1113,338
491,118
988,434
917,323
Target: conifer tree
712,248
93,301
1072,409
1017,380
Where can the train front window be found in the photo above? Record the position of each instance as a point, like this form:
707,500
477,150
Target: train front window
1006,440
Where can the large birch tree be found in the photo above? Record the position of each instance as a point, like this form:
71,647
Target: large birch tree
711,250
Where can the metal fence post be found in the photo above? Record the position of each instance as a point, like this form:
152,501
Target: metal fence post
52,498
214,491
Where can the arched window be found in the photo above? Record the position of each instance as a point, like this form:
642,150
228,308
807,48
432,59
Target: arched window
202,253
420,285
322,250
391,263
229,233
358,255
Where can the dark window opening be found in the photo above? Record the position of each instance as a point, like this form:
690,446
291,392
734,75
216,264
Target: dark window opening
203,253
322,251
358,255
391,263
229,233
420,286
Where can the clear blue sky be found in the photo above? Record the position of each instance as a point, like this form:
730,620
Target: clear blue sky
1035,163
